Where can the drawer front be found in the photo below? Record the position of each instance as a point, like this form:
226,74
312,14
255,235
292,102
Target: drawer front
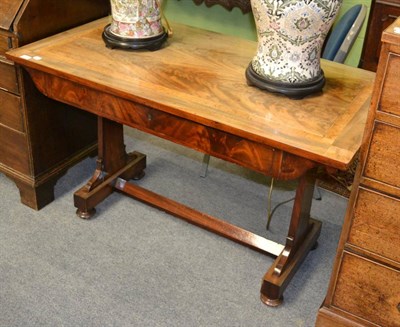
8,77
4,44
376,224
383,157
390,101
11,111
14,151
368,290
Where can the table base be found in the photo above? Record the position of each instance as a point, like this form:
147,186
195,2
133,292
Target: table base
115,168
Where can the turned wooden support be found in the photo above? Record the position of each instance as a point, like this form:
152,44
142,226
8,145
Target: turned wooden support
302,237
112,162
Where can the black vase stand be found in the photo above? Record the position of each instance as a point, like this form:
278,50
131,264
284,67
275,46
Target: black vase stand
114,41
294,91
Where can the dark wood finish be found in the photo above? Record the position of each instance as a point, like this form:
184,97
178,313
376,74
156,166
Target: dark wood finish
201,219
193,92
40,138
8,80
382,14
324,128
11,111
365,284
13,143
296,249
244,5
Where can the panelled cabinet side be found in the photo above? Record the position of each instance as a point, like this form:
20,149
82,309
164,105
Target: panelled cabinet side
364,289
40,138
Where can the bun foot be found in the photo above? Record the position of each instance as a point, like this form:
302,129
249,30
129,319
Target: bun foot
85,214
139,176
271,302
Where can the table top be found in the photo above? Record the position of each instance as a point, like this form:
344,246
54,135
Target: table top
200,75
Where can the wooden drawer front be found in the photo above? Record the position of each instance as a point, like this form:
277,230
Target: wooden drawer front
383,158
14,150
10,111
376,224
8,77
4,45
368,290
390,100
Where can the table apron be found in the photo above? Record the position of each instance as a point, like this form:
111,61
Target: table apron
248,153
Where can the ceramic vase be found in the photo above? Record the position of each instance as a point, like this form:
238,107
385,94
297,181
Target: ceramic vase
290,38
136,24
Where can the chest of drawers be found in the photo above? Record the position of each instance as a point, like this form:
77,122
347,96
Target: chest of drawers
365,283
383,13
40,138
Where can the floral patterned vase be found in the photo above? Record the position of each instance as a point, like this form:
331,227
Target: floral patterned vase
290,34
136,24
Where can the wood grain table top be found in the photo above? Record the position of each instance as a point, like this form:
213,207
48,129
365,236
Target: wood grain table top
200,75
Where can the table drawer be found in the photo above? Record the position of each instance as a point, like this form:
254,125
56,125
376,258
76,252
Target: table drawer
368,290
382,162
11,111
8,77
390,101
14,150
376,224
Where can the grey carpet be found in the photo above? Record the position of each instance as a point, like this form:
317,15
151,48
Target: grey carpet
134,265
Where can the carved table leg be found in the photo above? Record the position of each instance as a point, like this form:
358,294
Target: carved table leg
112,162
302,236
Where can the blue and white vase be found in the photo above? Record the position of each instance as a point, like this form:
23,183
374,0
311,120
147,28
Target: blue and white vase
290,38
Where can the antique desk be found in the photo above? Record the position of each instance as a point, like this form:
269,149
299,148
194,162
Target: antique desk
193,92
39,136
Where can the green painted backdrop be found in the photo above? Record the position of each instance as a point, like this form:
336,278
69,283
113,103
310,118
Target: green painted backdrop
236,23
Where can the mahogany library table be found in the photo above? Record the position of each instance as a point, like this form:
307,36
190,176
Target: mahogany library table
193,92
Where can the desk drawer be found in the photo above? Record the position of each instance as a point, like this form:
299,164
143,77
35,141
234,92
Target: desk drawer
368,290
8,77
390,101
382,162
11,111
4,44
14,150
376,224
